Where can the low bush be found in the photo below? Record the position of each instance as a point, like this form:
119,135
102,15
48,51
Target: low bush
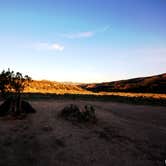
73,113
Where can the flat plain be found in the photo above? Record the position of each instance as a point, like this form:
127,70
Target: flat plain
124,134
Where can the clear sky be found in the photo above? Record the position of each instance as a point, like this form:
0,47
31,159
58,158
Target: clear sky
83,40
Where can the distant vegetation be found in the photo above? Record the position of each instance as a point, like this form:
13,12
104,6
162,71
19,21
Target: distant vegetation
147,90
153,84
45,86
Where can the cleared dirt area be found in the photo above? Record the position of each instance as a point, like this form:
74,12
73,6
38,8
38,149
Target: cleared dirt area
128,135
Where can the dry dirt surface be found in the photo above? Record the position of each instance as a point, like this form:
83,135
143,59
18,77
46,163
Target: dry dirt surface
124,135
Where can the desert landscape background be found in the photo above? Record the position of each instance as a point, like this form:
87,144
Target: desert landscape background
151,84
82,82
144,90
124,134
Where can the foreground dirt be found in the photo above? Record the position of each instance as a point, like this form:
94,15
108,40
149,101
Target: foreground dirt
127,135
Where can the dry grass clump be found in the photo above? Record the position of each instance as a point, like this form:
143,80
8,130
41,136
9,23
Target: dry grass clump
73,113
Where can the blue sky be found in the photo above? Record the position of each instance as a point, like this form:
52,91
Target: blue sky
83,40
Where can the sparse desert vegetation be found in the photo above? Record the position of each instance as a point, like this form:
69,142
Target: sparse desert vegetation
49,89
123,135
97,96
45,86
155,95
11,87
81,115
74,126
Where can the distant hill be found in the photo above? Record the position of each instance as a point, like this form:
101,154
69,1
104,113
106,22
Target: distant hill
45,86
152,84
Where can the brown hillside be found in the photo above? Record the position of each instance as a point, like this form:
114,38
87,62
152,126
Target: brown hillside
153,84
45,86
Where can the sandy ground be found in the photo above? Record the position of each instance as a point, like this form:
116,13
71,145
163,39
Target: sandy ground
128,135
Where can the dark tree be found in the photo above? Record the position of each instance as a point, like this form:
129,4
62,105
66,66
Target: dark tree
5,80
12,86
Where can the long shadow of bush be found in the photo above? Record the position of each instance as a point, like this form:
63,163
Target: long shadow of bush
5,108
73,113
